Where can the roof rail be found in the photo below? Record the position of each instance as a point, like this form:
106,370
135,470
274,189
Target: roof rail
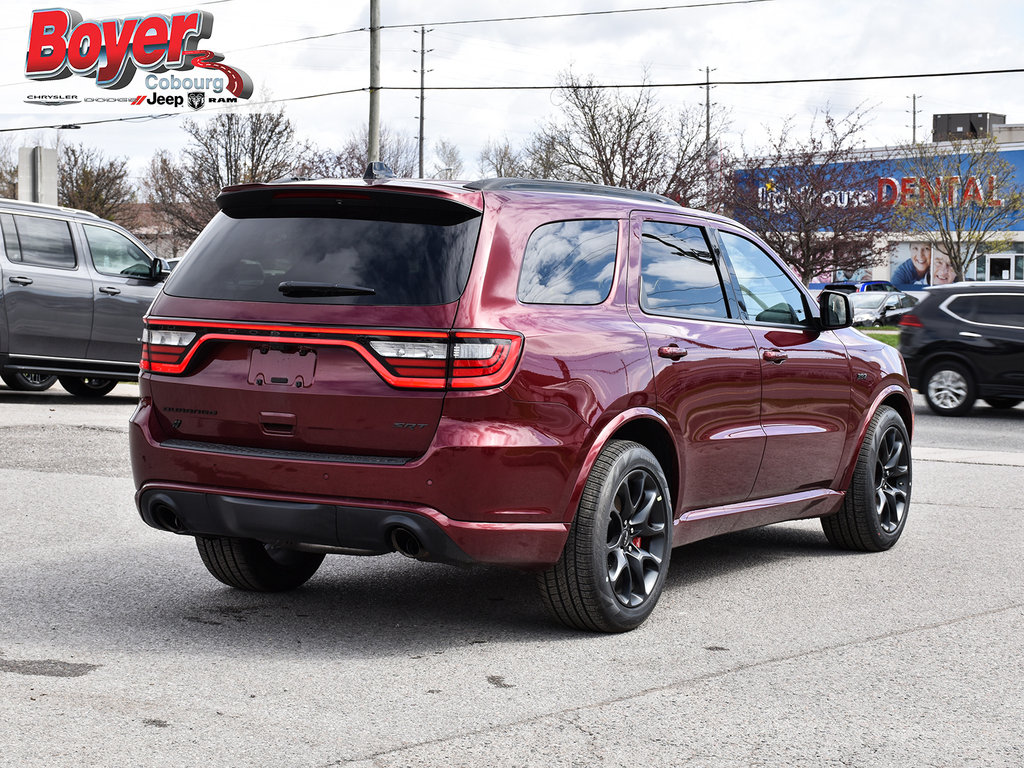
576,187
48,207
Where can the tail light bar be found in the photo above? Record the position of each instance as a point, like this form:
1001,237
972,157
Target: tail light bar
406,359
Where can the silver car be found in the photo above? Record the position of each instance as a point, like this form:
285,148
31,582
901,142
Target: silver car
73,290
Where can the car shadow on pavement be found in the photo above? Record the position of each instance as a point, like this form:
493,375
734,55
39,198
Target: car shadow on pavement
60,397
389,606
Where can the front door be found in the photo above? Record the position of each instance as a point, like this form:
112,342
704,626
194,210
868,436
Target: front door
123,292
805,375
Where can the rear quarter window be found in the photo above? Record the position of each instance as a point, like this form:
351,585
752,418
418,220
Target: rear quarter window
993,309
569,262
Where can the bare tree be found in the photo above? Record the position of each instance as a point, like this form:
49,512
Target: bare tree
541,160
699,171
605,136
8,168
813,200
89,181
958,196
228,149
625,138
397,149
499,158
449,163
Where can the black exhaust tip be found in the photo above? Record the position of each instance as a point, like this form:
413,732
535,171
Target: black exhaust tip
165,518
406,543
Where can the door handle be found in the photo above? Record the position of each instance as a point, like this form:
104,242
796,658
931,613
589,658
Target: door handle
110,290
671,352
20,280
776,356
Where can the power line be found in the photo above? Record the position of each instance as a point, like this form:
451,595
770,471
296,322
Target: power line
695,84
711,4
706,83
417,25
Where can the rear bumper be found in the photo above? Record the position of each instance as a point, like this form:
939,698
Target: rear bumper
347,527
484,492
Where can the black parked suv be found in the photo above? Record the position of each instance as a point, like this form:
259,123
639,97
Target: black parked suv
73,289
965,341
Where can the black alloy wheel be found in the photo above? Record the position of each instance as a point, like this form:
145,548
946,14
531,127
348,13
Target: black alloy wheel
874,511
613,568
892,479
87,386
22,381
637,538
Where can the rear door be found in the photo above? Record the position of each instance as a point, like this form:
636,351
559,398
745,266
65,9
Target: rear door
47,292
992,335
805,374
706,371
123,292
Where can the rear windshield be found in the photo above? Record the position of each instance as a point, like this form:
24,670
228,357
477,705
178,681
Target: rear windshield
404,256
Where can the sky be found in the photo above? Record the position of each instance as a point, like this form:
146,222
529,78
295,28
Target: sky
740,41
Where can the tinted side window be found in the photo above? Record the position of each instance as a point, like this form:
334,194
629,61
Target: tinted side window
767,293
678,274
1002,310
569,262
45,242
115,254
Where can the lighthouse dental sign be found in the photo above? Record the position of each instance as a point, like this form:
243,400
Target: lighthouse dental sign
111,51
951,191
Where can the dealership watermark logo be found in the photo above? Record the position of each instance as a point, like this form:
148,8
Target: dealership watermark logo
112,51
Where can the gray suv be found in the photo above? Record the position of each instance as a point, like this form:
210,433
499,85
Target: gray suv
73,290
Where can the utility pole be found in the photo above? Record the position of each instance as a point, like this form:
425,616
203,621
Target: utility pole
423,75
913,117
373,131
707,108
710,181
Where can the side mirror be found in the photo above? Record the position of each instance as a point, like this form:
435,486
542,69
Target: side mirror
834,311
159,269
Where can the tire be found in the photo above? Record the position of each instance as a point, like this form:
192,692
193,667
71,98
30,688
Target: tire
254,566
949,389
87,386
21,381
612,570
1002,403
874,512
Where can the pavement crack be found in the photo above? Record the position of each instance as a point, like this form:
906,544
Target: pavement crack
566,714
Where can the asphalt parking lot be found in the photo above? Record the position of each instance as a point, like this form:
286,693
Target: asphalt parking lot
768,648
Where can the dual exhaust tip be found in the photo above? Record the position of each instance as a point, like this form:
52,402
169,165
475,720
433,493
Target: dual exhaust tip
403,540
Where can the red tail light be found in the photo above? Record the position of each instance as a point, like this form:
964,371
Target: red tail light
911,321
405,359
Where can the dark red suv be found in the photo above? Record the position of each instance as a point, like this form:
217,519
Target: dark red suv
561,377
